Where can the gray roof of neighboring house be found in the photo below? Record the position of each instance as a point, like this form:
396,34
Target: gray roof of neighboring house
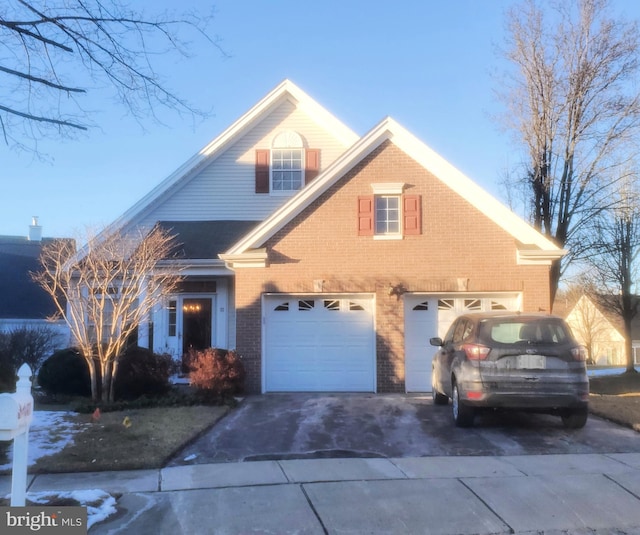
206,239
20,297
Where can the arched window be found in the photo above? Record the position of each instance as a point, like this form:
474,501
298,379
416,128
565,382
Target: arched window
287,162
287,165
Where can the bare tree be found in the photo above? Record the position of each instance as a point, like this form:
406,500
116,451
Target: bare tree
31,344
107,291
589,325
53,52
613,260
573,105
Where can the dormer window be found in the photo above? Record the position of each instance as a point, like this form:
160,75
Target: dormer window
287,167
287,159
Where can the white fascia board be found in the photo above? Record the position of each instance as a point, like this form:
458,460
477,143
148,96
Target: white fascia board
430,160
470,191
528,257
285,90
308,194
191,267
250,259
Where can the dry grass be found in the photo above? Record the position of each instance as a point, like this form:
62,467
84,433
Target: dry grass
617,398
147,439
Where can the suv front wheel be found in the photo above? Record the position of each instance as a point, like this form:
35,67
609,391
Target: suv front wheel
463,415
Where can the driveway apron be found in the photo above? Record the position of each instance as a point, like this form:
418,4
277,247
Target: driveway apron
299,426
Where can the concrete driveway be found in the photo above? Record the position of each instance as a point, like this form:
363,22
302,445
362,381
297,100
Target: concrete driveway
302,426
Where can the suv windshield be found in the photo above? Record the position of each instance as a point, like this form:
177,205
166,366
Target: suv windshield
526,331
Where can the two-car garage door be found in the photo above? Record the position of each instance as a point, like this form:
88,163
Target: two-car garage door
316,343
319,343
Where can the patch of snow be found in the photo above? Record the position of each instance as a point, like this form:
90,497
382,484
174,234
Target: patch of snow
180,380
600,372
190,457
49,433
100,504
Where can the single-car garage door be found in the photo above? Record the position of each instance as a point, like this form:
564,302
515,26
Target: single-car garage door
318,343
428,316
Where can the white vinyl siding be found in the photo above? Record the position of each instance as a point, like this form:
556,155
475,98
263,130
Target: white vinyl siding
225,189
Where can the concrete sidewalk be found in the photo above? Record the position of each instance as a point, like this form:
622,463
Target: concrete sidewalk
463,495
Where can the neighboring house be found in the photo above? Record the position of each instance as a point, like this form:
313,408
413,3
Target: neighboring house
601,332
22,302
328,260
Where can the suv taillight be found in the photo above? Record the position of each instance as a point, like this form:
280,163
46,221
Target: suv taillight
476,351
579,353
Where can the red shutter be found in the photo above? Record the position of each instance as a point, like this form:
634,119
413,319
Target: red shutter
262,170
312,165
365,215
412,215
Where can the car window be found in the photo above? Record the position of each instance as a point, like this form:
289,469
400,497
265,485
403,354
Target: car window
545,331
463,330
449,336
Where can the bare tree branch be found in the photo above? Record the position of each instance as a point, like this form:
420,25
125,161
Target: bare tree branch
573,107
56,49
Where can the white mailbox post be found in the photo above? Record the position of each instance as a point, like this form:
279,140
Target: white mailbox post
16,412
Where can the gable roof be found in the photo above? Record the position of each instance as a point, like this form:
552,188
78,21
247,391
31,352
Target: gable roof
532,245
607,312
285,91
20,296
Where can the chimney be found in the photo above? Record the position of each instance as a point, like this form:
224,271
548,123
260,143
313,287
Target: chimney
35,230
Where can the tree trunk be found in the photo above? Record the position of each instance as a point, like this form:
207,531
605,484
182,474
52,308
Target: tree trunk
94,379
112,393
106,382
628,347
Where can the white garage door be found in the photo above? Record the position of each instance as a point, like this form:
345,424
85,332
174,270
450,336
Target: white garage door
429,316
319,343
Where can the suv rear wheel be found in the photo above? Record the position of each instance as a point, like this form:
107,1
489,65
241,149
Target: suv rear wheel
463,415
575,418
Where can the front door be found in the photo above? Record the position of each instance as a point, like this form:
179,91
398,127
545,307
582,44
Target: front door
197,319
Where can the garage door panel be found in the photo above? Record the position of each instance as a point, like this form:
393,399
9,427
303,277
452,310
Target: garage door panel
429,316
319,344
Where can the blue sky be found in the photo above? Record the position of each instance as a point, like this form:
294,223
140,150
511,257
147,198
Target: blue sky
428,64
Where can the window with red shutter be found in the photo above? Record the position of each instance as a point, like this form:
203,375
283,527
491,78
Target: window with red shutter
262,170
411,215
365,215
312,164
379,215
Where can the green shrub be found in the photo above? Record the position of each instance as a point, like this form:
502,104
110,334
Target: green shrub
217,370
141,373
65,373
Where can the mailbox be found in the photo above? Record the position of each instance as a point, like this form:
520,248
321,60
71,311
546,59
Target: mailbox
16,412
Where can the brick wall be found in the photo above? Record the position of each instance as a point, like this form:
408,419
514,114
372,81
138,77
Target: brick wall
458,243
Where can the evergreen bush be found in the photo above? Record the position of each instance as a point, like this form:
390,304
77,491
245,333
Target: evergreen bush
141,372
65,373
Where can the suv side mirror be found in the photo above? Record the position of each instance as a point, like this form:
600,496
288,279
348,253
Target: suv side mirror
437,341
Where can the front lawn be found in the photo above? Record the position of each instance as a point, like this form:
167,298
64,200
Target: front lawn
616,398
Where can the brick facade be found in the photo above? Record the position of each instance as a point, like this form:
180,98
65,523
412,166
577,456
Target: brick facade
459,248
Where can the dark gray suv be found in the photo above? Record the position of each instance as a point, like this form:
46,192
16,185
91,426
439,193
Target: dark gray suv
511,361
